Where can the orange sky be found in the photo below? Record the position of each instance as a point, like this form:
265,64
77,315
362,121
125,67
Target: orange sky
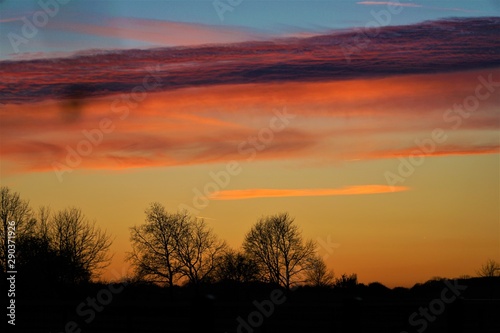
299,147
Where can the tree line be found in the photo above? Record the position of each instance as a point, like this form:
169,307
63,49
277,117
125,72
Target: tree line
168,249
176,248
52,247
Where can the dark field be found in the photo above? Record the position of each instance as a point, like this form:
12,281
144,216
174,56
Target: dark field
373,308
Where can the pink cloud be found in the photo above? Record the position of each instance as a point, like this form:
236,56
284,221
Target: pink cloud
163,33
10,19
301,60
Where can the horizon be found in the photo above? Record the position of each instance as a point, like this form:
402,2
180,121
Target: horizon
380,140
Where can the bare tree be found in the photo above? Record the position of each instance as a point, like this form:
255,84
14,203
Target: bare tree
153,245
84,245
35,252
277,245
169,248
13,208
43,222
317,274
489,269
199,251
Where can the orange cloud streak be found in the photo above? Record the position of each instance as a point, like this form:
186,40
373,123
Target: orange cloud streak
343,120
315,192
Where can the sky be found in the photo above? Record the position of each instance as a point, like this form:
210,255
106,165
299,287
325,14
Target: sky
373,123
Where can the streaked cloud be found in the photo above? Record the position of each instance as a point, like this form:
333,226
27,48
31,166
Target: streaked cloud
213,99
314,192
361,119
414,5
389,3
421,48
10,19
163,33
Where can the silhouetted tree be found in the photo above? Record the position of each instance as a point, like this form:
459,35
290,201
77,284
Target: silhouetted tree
199,250
317,274
35,255
79,243
276,244
13,208
489,269
170,247
237,267
63,247
346,281
43,221
40,264
154,245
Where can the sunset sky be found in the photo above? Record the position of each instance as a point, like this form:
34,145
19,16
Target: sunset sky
374,124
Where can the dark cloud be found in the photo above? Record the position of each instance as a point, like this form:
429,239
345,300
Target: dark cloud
429,47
